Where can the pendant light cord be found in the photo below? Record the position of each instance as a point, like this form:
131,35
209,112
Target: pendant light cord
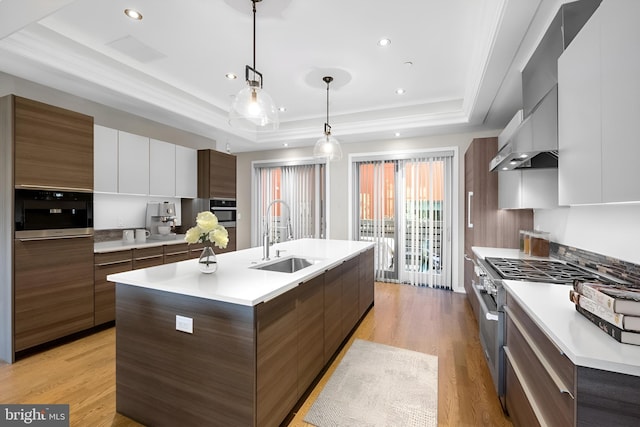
327,127
254,34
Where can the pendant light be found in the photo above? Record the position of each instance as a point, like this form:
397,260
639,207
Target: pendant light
327,146
253,109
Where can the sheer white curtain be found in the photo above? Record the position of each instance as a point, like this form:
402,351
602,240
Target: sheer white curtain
302,188
404,205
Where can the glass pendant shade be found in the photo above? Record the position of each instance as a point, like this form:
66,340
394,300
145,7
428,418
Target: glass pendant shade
328,147
254,110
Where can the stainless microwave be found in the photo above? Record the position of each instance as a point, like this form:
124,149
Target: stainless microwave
52,213
225,210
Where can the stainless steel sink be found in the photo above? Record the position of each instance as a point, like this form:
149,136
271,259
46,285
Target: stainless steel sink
287,265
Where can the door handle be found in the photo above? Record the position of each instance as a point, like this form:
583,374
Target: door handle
469,196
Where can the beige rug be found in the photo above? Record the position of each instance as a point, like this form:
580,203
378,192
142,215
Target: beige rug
379,385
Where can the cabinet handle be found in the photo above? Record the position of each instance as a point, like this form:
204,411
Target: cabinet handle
491,316
525,388
47,187
35,239
147,257
106,264
562,387
469,196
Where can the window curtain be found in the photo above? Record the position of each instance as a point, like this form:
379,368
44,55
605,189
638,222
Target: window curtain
404,206
302,188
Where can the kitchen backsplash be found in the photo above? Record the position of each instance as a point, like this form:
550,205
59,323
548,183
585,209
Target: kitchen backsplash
119,212
610,266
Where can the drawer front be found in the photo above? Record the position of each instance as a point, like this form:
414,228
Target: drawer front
108,258
518,406
176,249
552,406
560,363
105,291
148,257
175,257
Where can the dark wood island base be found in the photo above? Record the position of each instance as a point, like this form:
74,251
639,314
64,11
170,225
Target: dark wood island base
242,365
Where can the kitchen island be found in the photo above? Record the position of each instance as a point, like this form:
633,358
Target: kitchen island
240,346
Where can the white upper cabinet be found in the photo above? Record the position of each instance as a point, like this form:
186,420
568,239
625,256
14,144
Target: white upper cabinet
598,108
133,164
186,172
125,163
528,189
105,159
162,168
620,66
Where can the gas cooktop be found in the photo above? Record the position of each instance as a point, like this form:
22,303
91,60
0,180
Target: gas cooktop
535,270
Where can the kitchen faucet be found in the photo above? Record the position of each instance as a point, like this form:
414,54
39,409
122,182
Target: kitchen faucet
265,237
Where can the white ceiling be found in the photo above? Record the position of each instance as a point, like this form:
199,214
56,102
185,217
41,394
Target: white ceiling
466,56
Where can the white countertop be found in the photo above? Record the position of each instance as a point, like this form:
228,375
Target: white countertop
483,252
586,345
119,245
235,281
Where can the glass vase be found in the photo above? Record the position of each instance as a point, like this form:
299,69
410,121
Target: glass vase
207,261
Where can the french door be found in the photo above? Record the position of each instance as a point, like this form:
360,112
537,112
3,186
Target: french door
404,205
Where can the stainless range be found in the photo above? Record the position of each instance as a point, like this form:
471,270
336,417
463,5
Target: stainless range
492,298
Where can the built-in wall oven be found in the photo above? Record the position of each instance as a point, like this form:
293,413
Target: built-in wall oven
225,210
52,213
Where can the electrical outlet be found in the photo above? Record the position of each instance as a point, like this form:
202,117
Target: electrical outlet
184,324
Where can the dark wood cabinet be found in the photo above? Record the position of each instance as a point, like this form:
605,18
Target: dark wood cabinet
104,290
310,332
485,224
148,257
332,311
276,358
366,282
350,294
175,253
53,147
53,282
216,175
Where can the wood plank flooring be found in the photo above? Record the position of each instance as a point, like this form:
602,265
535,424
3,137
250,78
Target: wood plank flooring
82,373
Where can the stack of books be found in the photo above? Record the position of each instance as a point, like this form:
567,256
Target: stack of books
615,309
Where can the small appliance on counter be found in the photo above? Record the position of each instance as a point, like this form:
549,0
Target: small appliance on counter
161,218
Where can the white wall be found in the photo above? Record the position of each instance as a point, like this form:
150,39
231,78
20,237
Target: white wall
338,183
122,211
612,230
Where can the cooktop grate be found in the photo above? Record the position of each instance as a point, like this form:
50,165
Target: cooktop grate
535,270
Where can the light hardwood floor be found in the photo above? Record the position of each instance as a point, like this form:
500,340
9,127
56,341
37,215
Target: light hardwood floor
441,323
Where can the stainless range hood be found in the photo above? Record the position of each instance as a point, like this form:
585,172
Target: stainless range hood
534,144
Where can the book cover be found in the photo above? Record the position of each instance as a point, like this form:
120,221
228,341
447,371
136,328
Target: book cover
616,298
613,331
623,321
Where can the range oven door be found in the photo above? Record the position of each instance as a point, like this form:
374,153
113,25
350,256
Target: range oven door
491,325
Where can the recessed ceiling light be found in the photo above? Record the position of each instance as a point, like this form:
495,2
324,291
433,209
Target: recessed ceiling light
408,63
133,14
282,109
231,76
285,145
397,133
384,42
524,156
400,91
513,162
505,168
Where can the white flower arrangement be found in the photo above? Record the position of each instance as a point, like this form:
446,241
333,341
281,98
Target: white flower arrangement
206,230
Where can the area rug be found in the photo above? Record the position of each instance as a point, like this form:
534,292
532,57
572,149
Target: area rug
379,385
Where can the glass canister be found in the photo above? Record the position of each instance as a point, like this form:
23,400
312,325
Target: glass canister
521,240
539,244
525,235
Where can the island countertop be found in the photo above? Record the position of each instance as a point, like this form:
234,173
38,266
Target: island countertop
236,281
